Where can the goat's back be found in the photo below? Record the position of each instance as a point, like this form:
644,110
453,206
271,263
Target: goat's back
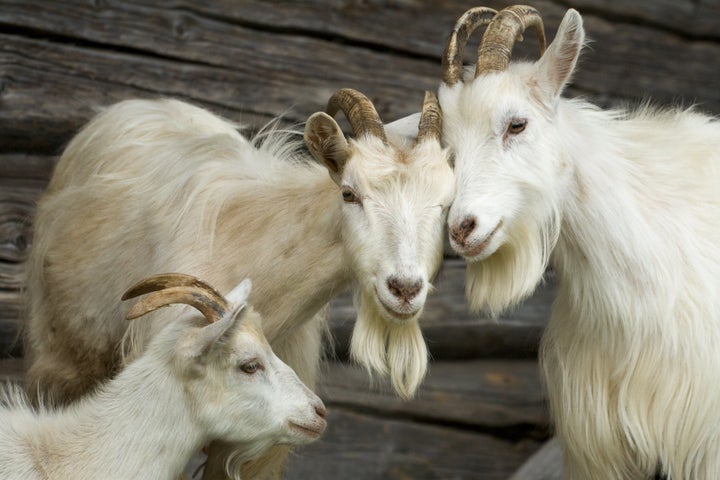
130,179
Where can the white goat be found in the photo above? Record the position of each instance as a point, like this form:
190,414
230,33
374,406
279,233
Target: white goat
153,186
625,205
193,384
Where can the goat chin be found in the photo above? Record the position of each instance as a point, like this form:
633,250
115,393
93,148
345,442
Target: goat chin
389,348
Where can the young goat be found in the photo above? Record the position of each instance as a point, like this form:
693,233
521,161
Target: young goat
624,205
164,186
192,384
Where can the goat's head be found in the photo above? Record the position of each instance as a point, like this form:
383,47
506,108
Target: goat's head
395,196
236,386
502,127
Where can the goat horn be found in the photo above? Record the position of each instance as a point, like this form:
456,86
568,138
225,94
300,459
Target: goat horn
169,288
452,59
507,27
166,280
213,308
359,111
430,119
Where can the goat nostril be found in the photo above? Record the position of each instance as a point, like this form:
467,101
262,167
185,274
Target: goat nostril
412,290
394,286
320,410
468,225
404,289
461,232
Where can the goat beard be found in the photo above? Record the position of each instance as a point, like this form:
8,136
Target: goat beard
389,349
512,273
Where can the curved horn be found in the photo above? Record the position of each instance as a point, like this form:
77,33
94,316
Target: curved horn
452,59
166,280
430,119
359,111
167,289
507,26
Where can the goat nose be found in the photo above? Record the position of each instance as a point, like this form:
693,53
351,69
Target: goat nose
460,232
404,289
320,410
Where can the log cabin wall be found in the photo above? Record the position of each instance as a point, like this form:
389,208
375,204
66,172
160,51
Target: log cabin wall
481,412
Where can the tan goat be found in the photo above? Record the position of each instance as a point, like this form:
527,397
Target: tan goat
153,186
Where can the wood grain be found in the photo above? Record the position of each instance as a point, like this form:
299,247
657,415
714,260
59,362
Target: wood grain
497,395
254,61
360,447
544,464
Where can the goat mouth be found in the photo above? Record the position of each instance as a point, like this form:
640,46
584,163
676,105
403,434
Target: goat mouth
471,253
394,314
308,431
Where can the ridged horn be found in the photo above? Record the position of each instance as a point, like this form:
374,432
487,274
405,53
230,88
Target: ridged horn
452,59
171,288
430,125
166,280
360,112
507,27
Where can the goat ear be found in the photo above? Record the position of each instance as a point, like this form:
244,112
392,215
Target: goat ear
239,295
214,335
558,63
327,143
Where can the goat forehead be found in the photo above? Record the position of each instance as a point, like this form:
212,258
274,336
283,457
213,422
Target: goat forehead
377,159
386,178
251,338
479,102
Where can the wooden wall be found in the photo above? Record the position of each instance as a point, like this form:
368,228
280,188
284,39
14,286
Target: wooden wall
481,411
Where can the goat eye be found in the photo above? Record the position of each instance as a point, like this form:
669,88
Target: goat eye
516,125
251,367
349,196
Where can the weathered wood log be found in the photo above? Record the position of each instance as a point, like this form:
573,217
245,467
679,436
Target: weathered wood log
22,166
10,343
17,200
22,179
359,447
687,18
499,396
350,22
545,464
54,88
255,62
11,370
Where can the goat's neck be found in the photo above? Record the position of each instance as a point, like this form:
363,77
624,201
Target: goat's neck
136,426
609,247
292,249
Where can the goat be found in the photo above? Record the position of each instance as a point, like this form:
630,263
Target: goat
153,186
192,384
624,205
